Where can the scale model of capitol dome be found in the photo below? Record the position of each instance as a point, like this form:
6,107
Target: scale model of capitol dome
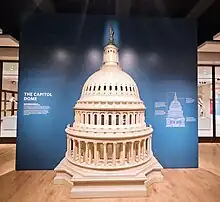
109,145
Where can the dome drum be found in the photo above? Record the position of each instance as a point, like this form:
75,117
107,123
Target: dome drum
116,154
120,119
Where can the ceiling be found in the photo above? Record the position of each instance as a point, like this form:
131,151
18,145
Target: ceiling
207,12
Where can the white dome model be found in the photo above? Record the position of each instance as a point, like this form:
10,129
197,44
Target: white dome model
109,145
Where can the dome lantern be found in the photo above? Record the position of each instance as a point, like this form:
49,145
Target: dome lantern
110,57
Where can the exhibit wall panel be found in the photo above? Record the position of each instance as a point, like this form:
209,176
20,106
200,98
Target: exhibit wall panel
56,60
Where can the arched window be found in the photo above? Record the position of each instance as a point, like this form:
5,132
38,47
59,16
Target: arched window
87,88
139,121
126,88
109,119
133,89
135,118
102,119
124,119
95,119
121,88
84,118
117,119
89,119
94,88
110,88
130,88
104,87
116,88
99,88
130,119
90,88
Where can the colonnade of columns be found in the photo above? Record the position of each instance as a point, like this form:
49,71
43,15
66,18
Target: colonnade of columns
106,118
108,153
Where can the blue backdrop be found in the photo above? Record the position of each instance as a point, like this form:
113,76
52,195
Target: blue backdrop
59,52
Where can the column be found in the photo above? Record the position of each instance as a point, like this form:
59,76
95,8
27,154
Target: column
128,152
132,151
86,152
81,117
75,117
127,119
67,145
113,118
121,119
95,152
90,156
98,156
79,155
142,149
139,150
144,146
92,118
106,118
105,153
148,145
98,119
78,117
133,118
74,153
123,152
114,154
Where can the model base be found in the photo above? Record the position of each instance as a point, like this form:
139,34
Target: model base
88,183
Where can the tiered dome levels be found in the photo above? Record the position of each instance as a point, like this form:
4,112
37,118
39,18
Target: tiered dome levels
109,139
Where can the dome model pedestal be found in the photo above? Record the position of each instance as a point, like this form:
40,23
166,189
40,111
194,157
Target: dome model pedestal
109,147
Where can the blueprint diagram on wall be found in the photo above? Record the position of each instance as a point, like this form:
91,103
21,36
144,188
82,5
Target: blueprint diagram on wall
174,110
175,116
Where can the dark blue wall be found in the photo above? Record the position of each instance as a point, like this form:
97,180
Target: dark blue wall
59,52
